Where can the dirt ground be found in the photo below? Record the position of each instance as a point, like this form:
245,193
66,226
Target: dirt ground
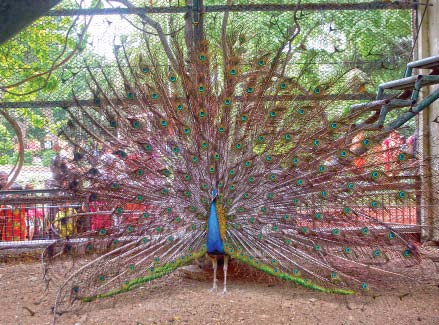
177,299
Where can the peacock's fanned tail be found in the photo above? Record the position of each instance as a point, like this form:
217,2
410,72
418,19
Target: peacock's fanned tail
301,184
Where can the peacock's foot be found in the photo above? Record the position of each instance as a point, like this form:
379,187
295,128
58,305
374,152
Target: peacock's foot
225,291
213,289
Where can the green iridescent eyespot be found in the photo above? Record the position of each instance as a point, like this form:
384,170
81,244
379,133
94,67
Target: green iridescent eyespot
172,78
155,96
136,124
147,147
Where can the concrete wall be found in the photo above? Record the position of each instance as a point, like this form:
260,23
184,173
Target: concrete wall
428,45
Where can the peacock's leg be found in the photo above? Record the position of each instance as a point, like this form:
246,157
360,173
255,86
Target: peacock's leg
226,262
215,267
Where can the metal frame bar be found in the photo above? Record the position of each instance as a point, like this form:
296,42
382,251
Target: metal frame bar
89,102
374,5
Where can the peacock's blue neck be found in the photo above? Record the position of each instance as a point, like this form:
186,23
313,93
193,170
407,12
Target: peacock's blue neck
214,241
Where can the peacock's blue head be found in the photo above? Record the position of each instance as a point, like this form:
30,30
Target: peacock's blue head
214,194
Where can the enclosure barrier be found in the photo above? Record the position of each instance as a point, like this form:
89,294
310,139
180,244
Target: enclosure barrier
37,218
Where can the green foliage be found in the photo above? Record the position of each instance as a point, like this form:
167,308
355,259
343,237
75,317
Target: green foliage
47,157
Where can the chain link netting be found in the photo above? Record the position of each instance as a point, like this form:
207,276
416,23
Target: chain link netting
49,65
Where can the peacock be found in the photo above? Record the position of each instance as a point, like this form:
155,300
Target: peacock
221,151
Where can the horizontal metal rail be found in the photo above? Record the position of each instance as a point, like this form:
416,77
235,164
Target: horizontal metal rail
71,103
374,5
46,242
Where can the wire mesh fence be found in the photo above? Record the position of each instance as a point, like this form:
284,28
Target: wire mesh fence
360,44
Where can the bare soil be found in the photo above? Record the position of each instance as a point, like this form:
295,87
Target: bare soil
177,299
